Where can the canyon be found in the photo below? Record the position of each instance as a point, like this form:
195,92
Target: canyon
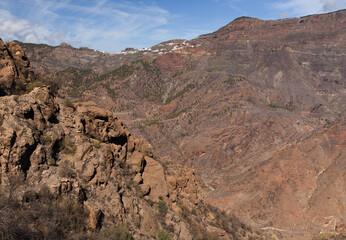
252,114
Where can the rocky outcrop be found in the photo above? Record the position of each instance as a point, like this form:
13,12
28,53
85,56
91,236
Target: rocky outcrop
15,71
85,153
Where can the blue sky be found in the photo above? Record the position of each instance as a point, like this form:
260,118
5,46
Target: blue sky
112,25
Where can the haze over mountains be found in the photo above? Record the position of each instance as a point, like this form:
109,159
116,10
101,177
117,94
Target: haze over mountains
256,108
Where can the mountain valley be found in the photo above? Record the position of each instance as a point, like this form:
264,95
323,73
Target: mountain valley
249,120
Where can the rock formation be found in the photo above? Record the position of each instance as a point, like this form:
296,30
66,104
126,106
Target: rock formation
15,71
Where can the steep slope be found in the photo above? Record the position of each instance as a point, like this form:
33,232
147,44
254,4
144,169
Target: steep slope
233,105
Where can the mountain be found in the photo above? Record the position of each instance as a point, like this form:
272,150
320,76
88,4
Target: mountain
257,108
72,170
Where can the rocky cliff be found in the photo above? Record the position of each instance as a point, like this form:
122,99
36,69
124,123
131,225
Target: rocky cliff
15,70
72,170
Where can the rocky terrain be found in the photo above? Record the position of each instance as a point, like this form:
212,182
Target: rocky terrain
257,108
74,171
15,71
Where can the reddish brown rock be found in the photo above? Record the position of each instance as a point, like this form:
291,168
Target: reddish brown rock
15,71
113,179
153,176
170,63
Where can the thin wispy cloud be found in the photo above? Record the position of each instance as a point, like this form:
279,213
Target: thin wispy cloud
113,25
331,5
233,5
292,8
109,24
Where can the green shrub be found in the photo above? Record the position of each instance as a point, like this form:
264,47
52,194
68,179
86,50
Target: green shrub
67,146
25,72
149,122
163,235
235,79
47,139
327,123
96,143
177,114
162,207
30,86
183,134
185,212
274,106
115,232
51,162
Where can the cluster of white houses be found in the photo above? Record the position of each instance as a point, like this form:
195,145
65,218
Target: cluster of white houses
164,48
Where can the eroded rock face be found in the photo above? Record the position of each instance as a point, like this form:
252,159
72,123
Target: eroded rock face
15,72
84,152
8,71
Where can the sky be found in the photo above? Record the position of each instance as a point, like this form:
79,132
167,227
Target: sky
113,25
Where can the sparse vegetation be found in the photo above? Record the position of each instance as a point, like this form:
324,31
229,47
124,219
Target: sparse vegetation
239,106
41,216
251,100
180,93
65,170
51,161
184,134
25,72
289,106
235,79
78,75
162,207
330,236
184,209
115,232
174,115
163,235
69,103
327,122
274,106
149,122
47,139
315,108
30,86
219,113
121,72
67,146
96,143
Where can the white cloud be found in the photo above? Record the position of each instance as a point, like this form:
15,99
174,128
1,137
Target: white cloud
293,8
105,25
14,26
